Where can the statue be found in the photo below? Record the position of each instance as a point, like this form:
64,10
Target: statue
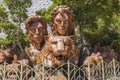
7,54
37,29
57,50
62,22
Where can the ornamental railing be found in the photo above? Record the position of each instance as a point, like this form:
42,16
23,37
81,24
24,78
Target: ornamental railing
67,71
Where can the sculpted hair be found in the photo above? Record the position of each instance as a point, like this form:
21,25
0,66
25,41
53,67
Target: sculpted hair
33,19
63,9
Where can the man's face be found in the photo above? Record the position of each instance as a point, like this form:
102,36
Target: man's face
61,23
36,32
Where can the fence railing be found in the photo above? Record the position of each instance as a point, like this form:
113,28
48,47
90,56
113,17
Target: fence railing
68,71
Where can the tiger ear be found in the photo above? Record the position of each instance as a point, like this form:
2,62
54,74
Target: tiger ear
46,38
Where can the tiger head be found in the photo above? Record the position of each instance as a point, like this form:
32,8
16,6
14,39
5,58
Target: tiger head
59,49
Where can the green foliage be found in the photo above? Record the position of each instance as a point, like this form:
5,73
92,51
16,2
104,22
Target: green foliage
105,34
3,14
8,27
10,30
43,12
6,42
18,9
17,15
116,45
101,36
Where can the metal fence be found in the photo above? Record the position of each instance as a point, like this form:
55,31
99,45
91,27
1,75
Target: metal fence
68,71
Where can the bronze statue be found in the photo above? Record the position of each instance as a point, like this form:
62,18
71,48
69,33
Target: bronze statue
62,22
57,50
37,29
7,54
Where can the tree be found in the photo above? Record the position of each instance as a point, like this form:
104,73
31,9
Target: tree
17,13
3,14
6,27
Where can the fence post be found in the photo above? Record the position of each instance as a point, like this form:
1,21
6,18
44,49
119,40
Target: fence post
43,71
68,70
21,71
103,74
4,71
89,69
114,69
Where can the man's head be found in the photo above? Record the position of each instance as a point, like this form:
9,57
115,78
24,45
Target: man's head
36,28
62,22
